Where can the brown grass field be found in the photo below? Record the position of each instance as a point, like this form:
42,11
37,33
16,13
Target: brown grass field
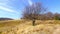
25,27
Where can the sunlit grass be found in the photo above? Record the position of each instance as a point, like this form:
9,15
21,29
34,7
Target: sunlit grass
25,27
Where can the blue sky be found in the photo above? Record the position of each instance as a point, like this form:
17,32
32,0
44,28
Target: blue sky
13,8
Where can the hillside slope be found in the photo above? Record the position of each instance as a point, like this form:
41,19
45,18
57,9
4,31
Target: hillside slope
1,19
25,27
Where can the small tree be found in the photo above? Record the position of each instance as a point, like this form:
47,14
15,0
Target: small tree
57,16
32,12
49,16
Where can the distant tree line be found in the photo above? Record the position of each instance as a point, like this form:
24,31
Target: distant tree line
49,16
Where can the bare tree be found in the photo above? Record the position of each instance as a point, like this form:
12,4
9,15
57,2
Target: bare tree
49,15
57,16
33,12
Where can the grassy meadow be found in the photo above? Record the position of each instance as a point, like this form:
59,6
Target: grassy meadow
25,27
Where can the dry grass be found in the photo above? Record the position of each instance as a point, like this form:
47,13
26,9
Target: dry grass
25,27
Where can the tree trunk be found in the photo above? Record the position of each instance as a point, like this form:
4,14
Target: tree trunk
33,22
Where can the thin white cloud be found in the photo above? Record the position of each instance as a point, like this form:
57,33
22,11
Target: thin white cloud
4,5
30,2
6,9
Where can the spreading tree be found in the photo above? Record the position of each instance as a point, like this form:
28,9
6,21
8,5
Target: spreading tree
33,12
